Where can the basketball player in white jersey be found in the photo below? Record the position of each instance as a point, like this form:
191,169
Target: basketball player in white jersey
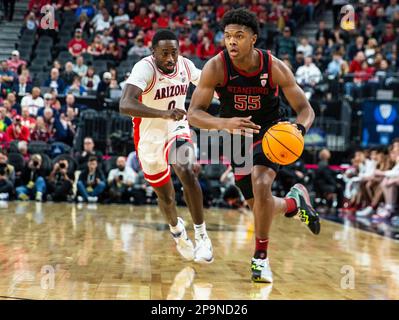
154,96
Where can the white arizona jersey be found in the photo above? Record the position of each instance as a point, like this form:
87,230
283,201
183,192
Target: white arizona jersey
152,136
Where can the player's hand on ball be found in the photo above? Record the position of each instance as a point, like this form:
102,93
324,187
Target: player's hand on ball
239,125
175,114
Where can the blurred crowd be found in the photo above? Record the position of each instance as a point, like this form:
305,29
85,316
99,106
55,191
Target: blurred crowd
94,45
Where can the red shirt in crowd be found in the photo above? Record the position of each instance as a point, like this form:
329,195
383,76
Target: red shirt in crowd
355,66
205,53
12,133
163,22
187,50
142,22
77,46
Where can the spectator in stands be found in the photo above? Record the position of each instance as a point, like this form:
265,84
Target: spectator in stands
292,174
308,75
60,181
68,75
142,21
232,196
91,183
102,21
15,62
64,130
103,87
88,151
356,63
33,180
6,76
121,19
120,181
391,9
7,177
14,105
133,162
33,101
206,49
67,5
123,83
96,49
91,80
86,8
77,46
323,31
40,131
31,22
4,121
187,48
23,150
26,119
22,87
286,45
354,89
305,47
80,68
16,131
139,49
84,25
334,68
355,48
48,117
54,81
76,88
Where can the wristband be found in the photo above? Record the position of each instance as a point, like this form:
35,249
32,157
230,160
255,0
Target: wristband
301,128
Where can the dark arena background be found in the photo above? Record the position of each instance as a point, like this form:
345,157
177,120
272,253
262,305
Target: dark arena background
63,67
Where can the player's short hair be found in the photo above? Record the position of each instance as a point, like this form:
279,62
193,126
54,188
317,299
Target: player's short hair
241,16
163,34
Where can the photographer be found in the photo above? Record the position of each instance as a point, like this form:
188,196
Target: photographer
120,181
17,131
91,182
60,181
33,181
7,177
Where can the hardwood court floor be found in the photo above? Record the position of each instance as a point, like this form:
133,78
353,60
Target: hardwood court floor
126,252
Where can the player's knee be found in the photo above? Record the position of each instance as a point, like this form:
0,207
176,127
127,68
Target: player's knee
186,173
262,185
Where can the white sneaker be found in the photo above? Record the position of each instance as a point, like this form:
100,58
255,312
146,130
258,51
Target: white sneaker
365,212
203,250
92,199
4,196
183,243
80,199
384,213
261,271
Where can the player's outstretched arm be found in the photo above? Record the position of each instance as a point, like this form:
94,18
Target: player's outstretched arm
130,105
283,77
212,76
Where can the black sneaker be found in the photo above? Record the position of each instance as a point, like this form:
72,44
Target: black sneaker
306,212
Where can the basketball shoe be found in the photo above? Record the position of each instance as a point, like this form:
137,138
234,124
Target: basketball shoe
306,212
203,249
261,271
183,243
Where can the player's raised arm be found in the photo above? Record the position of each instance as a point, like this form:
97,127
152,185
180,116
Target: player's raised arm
211,77
283,77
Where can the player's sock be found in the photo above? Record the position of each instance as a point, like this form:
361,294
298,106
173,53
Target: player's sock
200,230
261,248
292,208
177,229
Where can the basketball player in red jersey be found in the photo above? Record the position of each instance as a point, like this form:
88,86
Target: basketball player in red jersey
154,96
247,81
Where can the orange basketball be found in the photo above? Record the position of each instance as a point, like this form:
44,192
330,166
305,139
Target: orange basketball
283,143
